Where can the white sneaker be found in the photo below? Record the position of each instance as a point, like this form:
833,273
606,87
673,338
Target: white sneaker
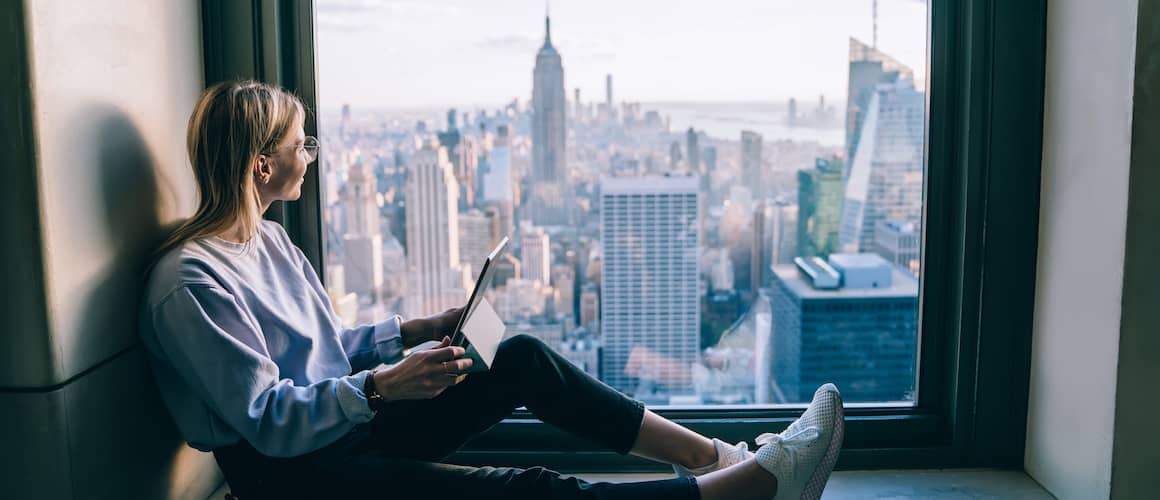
803,456
727,454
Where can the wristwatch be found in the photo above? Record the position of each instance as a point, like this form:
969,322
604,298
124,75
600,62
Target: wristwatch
374,399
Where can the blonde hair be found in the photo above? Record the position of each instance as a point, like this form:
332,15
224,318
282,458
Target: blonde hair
233,123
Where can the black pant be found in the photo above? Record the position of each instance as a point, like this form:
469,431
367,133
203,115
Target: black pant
397,454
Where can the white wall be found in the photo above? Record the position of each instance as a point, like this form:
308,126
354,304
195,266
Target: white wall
1083,218
112,83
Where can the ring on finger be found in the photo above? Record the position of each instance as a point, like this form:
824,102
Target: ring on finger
448,372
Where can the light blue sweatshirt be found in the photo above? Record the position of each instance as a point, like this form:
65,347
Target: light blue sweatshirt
245,344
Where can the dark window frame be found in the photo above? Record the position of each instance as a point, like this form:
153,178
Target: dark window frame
980,235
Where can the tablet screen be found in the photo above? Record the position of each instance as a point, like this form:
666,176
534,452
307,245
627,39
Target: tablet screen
481,285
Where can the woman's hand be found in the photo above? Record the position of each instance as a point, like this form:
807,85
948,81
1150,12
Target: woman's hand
432,327
424,374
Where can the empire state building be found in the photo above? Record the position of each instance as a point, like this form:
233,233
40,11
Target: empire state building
549,200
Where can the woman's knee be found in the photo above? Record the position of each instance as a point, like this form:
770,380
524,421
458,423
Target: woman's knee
522,346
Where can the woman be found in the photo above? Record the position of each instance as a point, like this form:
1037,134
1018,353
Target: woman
254,366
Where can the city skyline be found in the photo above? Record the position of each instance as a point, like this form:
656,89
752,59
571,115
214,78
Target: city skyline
672,235
647,46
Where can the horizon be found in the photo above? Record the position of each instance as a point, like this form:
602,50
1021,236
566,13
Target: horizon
402,54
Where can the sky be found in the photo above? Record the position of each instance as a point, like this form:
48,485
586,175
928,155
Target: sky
409,54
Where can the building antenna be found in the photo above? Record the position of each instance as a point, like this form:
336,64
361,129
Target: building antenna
874,42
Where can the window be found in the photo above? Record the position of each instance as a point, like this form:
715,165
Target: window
977,233
798,133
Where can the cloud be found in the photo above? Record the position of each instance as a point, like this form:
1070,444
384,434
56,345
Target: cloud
519,43
347,16
570,49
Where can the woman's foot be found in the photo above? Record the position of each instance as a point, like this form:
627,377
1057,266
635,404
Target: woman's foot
727,455
803,456
792,465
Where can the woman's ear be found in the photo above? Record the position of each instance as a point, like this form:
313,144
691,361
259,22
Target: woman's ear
262,169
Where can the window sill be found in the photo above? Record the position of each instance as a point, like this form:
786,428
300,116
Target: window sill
894,484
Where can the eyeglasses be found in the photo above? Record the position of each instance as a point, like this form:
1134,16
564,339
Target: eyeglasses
308,149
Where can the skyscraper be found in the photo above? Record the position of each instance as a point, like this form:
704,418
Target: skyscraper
578,114
710,159
783,231
751,162
674,156
497,182
344,122
650,319
851,320
760,248
433,233
885,179
693,152
474,239
590,307
461,151
868,68
362,244
710,196
536,253
608,93
564,281
820,205
549,198
698,169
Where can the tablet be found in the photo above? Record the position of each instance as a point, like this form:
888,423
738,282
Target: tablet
481,284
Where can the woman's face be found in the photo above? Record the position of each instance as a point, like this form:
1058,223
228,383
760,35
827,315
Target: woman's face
280,177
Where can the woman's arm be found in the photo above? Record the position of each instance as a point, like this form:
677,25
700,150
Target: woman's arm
209,340
368,345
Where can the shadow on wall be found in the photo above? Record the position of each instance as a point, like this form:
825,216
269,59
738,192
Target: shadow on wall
132,448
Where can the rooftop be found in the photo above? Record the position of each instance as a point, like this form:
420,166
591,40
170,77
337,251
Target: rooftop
653,184
902,285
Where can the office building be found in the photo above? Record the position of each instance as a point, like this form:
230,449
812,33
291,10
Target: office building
886,176
751,174
650,313
851,320
362,244
536,253
475,229
498,181
782,224
433,233
868,68
899,243
693,152
590,307
820,208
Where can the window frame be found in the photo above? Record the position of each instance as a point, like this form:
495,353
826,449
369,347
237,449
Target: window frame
984,116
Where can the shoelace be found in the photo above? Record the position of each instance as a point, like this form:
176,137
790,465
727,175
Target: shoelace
790,442
740,449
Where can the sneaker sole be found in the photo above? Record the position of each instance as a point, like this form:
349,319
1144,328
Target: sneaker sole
817,482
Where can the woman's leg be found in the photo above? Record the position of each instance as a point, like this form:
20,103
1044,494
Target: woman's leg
665,441
354,468
526,372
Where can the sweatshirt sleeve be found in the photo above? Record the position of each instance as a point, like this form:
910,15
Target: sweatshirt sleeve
212,344
368,345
